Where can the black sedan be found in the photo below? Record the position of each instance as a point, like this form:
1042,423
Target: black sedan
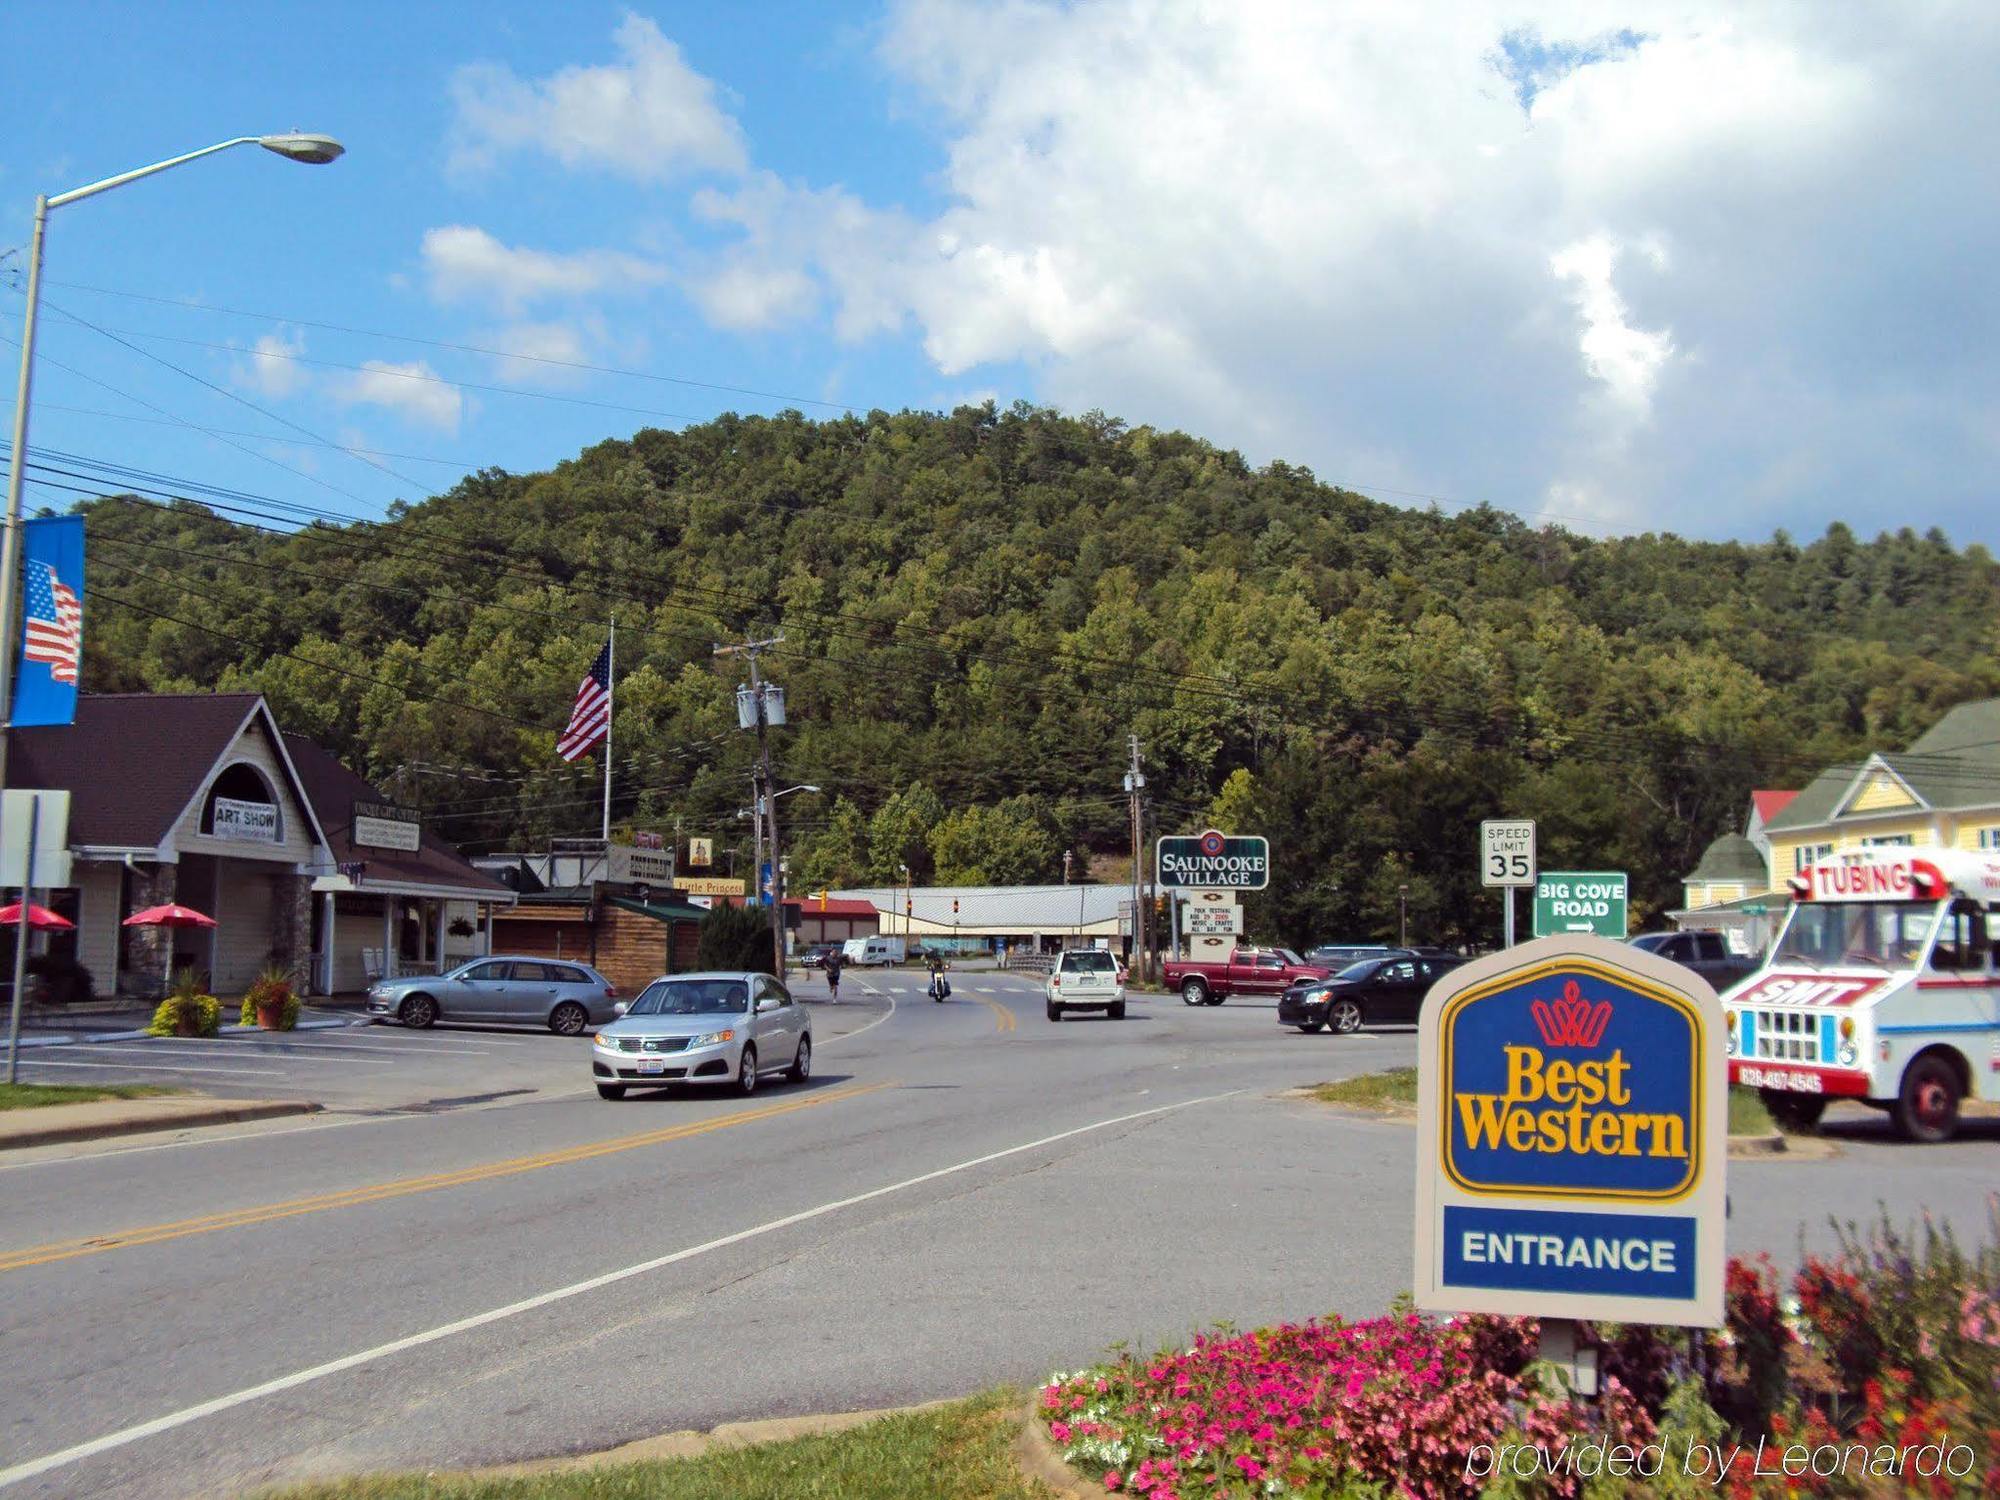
1374,992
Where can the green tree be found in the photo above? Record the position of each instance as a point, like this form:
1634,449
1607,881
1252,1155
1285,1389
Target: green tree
736,937
1008,843
900,832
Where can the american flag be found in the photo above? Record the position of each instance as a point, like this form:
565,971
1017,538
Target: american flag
55,623
590,720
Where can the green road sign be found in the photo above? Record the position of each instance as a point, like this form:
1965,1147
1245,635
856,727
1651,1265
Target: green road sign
1569,901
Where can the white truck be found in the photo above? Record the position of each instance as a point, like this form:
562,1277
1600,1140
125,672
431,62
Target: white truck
871,951
1882,987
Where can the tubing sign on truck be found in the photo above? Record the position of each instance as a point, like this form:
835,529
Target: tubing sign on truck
1572,1124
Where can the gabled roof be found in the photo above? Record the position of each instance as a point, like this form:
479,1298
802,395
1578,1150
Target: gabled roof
332,790
132,762
1956,764
1770,803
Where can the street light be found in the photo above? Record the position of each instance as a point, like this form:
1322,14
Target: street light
313,150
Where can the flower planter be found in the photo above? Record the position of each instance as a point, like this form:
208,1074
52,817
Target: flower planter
186,1022
271,1017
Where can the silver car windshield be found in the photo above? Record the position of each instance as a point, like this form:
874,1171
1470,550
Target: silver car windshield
692,997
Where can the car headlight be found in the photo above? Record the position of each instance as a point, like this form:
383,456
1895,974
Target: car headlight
1324,992
710,1038
607,1042
1849,1054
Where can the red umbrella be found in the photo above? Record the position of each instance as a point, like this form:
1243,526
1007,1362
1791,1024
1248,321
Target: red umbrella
169,916
38,916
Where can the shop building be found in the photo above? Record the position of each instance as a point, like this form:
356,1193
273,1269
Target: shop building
398,899
190,799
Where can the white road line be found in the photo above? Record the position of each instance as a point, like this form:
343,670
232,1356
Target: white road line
393,1049
38,1466
36,1062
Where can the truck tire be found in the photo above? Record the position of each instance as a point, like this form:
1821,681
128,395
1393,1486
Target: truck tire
1796,1113
1214,999
1926,1108
1193,991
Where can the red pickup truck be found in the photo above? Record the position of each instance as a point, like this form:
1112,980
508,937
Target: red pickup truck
1249,971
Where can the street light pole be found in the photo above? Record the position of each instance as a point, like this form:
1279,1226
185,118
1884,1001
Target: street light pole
314,150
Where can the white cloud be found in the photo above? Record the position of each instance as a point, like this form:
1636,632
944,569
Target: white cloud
1626,359
546,353
648,116
272,367
466,264
1474,246
412,390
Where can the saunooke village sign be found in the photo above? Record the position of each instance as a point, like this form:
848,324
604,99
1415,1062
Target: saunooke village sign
1572,1138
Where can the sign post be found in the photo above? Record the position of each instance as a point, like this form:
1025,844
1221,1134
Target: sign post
1572,1121
1581,901
1507,859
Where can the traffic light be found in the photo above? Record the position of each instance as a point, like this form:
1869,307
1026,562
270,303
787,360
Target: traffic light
909,907
954,906
822,900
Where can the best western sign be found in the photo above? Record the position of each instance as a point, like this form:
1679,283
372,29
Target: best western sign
1572,1137
1213,861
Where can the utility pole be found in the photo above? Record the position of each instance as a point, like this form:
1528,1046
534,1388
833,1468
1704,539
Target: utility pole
1135,781
1402,916
760,706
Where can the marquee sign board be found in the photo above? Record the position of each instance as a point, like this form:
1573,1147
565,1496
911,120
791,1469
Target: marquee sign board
1212,861
1572,1141
1208,921
245,822
706,885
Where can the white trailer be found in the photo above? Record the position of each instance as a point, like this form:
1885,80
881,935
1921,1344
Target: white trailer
871,951
1882,986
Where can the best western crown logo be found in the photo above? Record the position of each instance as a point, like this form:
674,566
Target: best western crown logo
1571,1022
1584,1083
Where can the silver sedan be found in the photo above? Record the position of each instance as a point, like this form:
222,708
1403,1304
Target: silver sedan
568,998
728,1028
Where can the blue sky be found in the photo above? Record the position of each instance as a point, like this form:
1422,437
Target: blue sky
1689,271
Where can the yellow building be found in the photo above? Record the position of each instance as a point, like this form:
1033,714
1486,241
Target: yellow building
1943,790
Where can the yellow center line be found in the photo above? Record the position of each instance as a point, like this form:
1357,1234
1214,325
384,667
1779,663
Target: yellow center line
1003,1018
41,1255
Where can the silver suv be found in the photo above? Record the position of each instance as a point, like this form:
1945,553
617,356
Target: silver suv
1086,979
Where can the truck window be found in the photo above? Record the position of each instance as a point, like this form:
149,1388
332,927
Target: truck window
1961,940
1708,945
1269,961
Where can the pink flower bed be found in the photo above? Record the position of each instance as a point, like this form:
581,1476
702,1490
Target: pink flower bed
1315,1407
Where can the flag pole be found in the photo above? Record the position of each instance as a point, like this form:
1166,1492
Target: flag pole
610,709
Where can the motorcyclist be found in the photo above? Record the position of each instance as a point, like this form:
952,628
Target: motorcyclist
937,964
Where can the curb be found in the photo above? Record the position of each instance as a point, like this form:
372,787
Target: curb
692,1443
1039,1460
166,1115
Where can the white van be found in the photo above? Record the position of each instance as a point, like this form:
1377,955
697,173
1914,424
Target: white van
872,951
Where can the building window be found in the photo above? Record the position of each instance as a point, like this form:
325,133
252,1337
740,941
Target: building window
1809,854
1890,841
1989,838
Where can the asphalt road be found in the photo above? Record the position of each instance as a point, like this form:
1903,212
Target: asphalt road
964,1194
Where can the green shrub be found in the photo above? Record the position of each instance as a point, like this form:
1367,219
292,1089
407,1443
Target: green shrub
736,937
186,999
272,987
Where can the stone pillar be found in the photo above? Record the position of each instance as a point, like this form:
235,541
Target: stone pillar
291,927
151,953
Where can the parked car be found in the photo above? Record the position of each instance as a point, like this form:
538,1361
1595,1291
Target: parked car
1373,992
1704,952
728,1028
568,998
815,957
1249,971
1086,979
1336,956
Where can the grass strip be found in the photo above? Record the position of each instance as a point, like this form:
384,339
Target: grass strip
1393,1090
963,1451
36,1095
1747,1115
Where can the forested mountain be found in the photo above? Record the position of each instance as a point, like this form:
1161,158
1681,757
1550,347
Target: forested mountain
978,609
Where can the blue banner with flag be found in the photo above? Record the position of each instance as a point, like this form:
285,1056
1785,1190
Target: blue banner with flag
51,660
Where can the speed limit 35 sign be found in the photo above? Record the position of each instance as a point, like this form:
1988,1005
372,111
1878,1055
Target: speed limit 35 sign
1507,852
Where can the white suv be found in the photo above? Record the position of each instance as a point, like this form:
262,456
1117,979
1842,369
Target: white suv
1086,979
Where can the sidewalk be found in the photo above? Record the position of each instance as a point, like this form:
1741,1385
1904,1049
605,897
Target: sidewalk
57,1124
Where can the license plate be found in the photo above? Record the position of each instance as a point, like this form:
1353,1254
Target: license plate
1795,1080
652,1065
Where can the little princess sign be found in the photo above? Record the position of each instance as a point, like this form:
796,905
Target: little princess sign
1572,1137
